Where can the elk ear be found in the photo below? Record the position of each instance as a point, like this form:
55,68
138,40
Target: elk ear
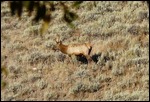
57,39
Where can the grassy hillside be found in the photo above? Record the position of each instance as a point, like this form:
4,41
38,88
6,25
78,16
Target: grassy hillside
119,32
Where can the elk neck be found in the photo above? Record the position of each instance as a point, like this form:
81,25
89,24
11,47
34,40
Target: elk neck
63,48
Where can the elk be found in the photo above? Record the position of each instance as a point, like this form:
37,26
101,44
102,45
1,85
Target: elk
75,49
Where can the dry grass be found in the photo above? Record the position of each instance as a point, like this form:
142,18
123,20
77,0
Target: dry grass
119,32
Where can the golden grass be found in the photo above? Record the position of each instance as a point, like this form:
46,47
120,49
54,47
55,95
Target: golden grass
119,32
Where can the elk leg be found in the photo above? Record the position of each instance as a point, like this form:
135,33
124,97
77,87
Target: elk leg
89,59
71,59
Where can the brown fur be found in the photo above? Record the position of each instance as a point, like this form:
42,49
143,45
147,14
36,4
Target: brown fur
75,49
62,48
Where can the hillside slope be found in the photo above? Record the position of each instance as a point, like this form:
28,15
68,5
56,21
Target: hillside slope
119,32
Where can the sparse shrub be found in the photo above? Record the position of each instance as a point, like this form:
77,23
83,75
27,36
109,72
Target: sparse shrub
117,69
79,87
105,57
81,73
93,87
61,58
133,29
49,44
36,57
42,84
33,78
14,69
15,88
9,98
142,15
50,96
